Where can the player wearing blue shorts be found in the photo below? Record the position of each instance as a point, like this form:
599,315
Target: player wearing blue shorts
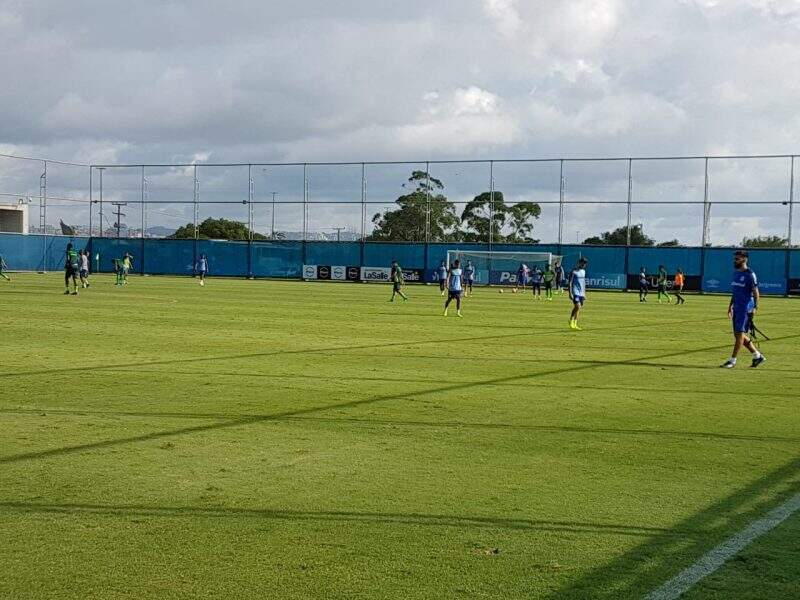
441,274
455,287
469,278
577,292
744,303
202,268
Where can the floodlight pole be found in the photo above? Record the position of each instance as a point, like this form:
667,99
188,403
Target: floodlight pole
196,199
630,202
143,208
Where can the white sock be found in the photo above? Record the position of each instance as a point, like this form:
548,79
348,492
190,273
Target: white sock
757,354
732,360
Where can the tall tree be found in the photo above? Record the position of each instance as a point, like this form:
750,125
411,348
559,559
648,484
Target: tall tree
217,229
676,243
619,237
483,208
407,223
520,218
765,241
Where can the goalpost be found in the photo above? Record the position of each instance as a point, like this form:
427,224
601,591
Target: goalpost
500,268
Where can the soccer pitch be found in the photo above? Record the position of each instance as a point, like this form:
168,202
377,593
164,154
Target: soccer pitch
308,440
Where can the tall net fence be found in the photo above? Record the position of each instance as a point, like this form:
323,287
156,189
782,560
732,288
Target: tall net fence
688,201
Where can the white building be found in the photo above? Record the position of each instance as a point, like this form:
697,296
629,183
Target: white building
13,218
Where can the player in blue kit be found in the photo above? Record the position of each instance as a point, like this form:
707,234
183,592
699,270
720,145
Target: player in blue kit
455,287
441,274
469,278
577,291
744,303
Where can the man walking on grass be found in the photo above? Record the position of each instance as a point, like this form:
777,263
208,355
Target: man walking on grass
396,275
743,305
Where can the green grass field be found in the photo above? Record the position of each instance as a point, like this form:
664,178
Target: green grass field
299,440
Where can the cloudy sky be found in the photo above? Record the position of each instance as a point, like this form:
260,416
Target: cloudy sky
276,81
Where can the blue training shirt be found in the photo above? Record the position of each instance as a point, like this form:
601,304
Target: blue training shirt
742,286
202,265
455,280
442,270
579,282
469,273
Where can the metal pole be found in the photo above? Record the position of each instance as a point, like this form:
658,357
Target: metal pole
491,204
91,202
363,201
706,208
196,206
561,204
791,203
630,202
101,169
143,204
272,230
305,201
250,198
43,215
428,202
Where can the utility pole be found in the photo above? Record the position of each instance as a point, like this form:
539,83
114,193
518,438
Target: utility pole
272,231
101,169
120,214
338,233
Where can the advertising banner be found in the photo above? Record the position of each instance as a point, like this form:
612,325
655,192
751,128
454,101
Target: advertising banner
691,283
339,273
309,271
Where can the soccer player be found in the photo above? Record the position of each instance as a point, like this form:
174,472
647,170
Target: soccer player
3,267
454,287
536,279
577,291
559,278
522,277
662,285
680,281
202,268
127,265
71,269
396,275
548,277
744,303
643,285
469,278
441,273
83,260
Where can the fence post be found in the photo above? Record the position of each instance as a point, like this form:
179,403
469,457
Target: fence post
250,219
789,232
630,206
90,203
363,213
560,205
706,210
142,207
491,203
43,215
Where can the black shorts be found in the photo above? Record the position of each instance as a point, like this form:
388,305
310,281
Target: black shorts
537,285
548,285
396,286
70,271
454,295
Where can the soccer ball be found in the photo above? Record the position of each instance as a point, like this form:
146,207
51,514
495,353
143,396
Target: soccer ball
501,291
513,290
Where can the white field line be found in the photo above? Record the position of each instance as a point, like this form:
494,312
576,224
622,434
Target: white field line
715,558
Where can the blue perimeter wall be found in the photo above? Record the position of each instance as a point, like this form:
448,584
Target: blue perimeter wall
777,269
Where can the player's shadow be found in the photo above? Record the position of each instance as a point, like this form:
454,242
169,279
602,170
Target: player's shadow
240,422
660,557
416,519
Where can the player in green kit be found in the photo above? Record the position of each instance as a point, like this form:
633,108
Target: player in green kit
662,285
549,277
3,267
396,275
71,269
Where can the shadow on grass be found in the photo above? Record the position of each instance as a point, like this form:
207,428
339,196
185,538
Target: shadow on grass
648,565
239,422
422,519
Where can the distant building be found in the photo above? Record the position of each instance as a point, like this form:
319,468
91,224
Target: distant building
14,218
